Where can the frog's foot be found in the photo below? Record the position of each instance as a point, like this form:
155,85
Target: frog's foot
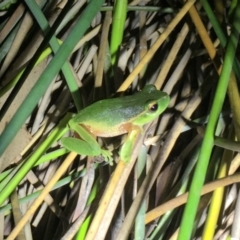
108,156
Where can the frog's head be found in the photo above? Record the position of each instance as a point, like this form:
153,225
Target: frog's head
155,103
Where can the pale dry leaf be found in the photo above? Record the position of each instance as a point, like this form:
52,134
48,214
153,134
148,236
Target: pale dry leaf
22,138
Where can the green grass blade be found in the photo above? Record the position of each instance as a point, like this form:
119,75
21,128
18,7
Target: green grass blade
119,18
208,141
67,72
57,133
219,32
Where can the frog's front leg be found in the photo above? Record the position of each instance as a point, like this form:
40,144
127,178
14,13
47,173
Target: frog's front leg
87,145
127,148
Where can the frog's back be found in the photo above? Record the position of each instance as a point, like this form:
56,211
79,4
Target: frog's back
112,117
110,112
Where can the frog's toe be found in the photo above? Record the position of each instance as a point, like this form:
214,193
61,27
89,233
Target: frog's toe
108,156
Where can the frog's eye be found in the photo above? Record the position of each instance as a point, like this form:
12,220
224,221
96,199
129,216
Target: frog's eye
153,107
